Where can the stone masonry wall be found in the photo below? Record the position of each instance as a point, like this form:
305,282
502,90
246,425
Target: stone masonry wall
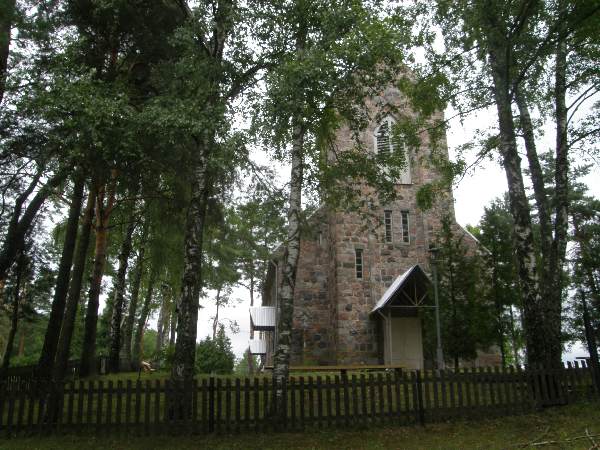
332,320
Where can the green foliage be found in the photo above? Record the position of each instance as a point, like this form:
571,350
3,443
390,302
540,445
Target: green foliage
215,355
242,368
466,315
495,234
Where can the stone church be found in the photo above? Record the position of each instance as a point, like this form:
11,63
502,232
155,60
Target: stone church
361,292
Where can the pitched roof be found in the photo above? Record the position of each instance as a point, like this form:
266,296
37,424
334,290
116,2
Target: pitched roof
398,284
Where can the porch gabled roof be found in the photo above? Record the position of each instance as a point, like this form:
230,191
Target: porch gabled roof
414,277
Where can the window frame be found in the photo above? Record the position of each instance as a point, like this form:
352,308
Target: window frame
405,229
389,121
359,265
388,227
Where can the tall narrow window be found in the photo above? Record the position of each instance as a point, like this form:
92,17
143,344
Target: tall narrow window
383,139
405,225
359,263
387,143
387,220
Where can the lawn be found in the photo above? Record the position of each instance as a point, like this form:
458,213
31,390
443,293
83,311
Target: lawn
561,425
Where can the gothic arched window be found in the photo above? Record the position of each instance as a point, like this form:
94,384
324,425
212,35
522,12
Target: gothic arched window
387,144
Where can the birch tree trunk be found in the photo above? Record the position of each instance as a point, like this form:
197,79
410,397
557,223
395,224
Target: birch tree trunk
135,293
81,252
160,325
103,212
117,312
48,354
173,328
281,359
534,323
188,302
553,301
14,321
139,331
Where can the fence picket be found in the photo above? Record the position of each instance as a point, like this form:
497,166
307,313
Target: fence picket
319,402
293,403
302,401
459,391
30,406
338,401
10,412
147,399
157,424
363,400
119,407
238,405
354,389
330,418
247,403
228,405
256,405
128,406
99,402
311,401
380,400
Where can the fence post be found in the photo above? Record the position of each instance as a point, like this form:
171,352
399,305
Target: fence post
211,404
418,386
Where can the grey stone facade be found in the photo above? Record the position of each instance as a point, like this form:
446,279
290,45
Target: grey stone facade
332,321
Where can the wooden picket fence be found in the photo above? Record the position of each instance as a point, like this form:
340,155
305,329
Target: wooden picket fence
226,405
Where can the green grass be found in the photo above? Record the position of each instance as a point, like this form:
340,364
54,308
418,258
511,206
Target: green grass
555,424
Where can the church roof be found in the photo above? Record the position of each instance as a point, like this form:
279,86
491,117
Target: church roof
415,274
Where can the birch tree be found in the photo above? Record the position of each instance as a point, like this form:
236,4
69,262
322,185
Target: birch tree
337,53
500,55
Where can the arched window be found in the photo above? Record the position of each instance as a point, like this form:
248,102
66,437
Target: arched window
386,144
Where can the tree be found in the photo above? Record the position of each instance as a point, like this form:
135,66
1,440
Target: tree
495,234
320,82
585,214
215,355
246,364
466,316
48,355
501,55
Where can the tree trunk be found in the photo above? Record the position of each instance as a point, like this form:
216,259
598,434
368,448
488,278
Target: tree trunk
46,361
187,306
216,319
250,362
18,226
6,20
537,181
160,325
117,312
553,303
103,211
534,323
281,360
135,292
173,328
14,321
513,335
499,311
139,332
66,332
590,339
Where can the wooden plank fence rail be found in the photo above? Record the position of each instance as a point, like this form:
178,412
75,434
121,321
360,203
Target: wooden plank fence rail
226,405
